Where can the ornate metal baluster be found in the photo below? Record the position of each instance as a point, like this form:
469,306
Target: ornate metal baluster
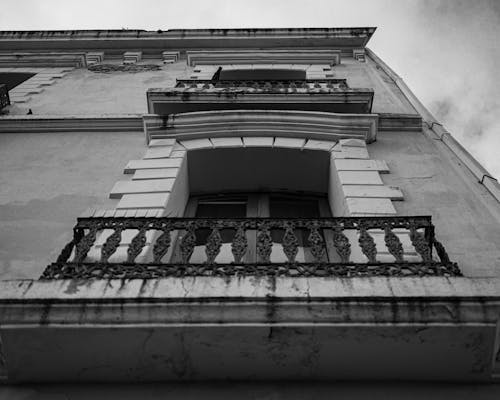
240,244
367,245
214,243
84,245
441,252
162,245
393,244
418,241
264,243
317,243
112,243
342,245
68,249
136,245
290,242
187,243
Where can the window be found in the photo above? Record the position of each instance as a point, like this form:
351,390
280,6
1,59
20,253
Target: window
259,74
241,205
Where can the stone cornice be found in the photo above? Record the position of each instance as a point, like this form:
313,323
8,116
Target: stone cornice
188,38
106,34
70,123
286,123
350,301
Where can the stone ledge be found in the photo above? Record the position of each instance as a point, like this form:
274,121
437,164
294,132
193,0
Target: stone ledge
122,188
447,300
149,201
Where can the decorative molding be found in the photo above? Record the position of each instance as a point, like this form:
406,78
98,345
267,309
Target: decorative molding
96,57
227,123
359,54
42,124
132,57
290,56
43,59
170,56
400,122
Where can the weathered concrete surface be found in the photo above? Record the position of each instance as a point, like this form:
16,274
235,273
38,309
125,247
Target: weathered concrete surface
46,181
254,391
85,92
272,328
247,352
435,182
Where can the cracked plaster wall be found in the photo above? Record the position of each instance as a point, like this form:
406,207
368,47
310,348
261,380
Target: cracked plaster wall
46,181
436,183
84,92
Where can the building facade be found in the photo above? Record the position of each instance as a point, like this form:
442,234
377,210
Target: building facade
222,205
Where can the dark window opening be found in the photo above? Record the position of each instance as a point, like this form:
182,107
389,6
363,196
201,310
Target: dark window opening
264,74
13,79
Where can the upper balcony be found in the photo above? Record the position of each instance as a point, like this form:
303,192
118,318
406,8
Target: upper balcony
327,95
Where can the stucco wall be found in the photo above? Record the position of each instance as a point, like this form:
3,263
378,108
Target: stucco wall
435,182
81,91
46,181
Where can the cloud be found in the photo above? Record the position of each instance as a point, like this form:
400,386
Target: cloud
458,44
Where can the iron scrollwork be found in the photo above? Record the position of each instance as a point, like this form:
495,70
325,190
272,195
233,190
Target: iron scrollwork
74,262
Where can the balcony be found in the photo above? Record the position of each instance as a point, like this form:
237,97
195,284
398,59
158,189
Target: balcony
322,247
4,96
327,95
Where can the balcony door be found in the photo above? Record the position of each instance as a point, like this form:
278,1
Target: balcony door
263,205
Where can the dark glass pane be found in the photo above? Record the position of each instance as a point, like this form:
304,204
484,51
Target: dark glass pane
228,207
292,207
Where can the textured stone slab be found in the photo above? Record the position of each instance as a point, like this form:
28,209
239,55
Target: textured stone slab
369,206
359,178
319,145
227,142
178,146
26,90
352,143
258,141
161,142
178,154
150,200
158,152
133,165
372,191
350,152
293,143
196,144
158,173
141,186
346,164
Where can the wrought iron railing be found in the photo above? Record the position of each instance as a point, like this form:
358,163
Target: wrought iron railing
4,96
265,85
352,246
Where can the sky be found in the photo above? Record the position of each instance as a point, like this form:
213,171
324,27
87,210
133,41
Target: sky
447,51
